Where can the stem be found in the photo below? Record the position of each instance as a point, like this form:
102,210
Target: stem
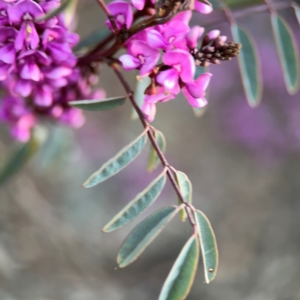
154,143
110,17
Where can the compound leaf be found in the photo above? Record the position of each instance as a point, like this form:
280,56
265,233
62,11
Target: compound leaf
142,201
208,246
143,234
182,274
118,162
95,105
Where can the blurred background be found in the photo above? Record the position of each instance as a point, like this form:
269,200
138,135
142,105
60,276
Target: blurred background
244,165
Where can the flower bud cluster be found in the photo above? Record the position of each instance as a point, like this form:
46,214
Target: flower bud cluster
36,63
173,43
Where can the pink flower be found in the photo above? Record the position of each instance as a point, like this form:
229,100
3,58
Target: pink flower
139,4
149,110
149,106
182,66
122,12
203,8
140,56
195,91
192,37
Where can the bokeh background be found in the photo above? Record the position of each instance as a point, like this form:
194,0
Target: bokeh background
244,165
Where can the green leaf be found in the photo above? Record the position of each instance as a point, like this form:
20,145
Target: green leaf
185,187
287,52
139,95
21,156
143,234
141,202
64,5
93,39
208,246
95,105
249,65
297,11
182,274
118,162
153,157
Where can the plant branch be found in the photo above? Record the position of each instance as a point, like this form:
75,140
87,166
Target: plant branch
154,143
110,17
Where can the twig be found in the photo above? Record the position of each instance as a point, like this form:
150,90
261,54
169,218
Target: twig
110,17
154,143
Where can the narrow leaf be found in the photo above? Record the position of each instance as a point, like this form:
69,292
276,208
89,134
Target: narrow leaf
153,157
182,274
21,155
139,94
142,201
249,65
143,234
93,39
287,52
118,162
185,187
208,246
94,105
297,11
55,11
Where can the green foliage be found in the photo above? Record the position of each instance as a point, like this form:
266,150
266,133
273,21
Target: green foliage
208,246
185,187
287,52
249,65
143,234
182,274
141,202
95,105
118,162
153,157
141,85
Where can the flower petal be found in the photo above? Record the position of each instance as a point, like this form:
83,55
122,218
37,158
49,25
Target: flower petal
129,62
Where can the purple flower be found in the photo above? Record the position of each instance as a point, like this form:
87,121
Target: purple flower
195,91
37,64
122,12
14,112
24,13
140,56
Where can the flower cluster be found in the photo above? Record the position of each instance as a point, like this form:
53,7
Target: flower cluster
36,62
177,43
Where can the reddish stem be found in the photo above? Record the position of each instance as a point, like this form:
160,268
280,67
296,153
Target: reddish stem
154,143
